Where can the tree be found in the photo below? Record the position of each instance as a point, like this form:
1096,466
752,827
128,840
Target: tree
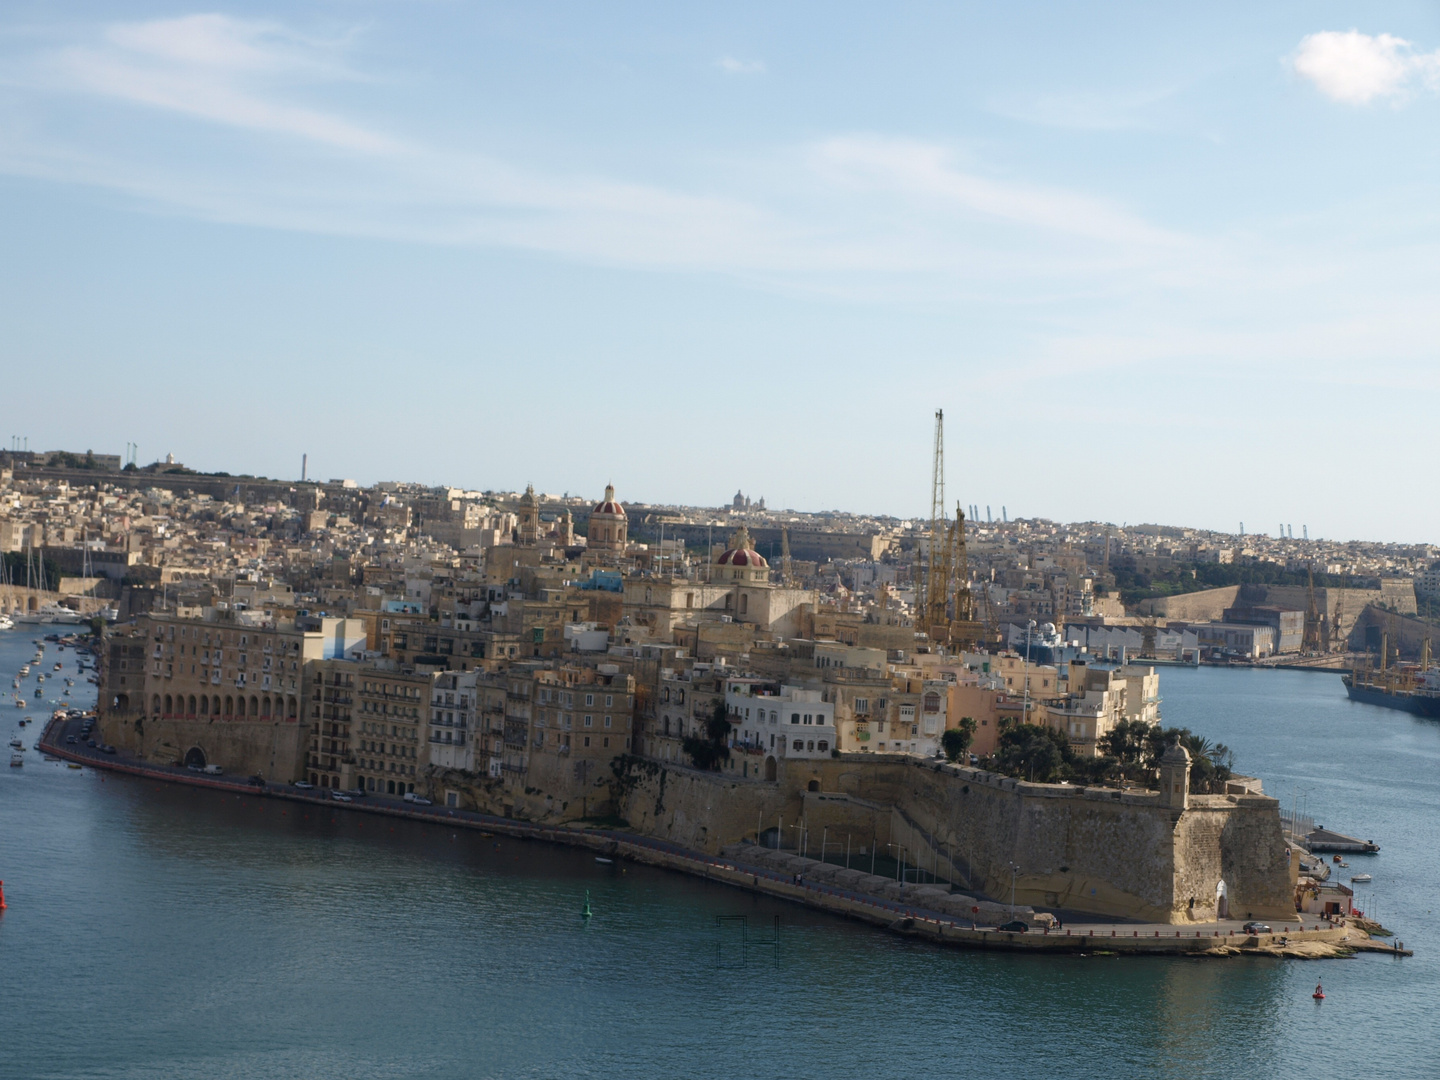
708,752
1033,752
956,741
1126,743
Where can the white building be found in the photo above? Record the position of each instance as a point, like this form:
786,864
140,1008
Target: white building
794,723
453,709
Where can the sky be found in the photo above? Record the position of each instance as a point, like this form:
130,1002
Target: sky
1159,263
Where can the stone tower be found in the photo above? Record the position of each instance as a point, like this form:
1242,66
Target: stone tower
528,527
609,528
1175,777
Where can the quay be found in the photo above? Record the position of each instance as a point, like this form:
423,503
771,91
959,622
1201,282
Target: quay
1312,938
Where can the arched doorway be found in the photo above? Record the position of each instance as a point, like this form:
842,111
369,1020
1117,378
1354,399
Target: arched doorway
770,768
195,757
1222,901
814,785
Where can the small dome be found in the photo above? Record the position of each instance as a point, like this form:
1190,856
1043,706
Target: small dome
1175,754
609,506
741,553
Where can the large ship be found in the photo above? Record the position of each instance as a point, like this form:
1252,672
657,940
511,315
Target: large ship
1413,690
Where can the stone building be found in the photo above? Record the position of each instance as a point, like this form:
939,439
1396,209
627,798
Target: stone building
608,528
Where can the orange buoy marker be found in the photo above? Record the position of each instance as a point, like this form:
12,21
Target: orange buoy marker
3,905
1319,994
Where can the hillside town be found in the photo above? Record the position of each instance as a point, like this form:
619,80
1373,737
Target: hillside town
409,640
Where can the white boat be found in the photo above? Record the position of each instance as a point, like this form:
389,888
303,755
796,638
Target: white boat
52,613
17,744
24,670
110,613
1359,879
17,760
6,623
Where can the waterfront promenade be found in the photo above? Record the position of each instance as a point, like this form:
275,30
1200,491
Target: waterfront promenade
1310,938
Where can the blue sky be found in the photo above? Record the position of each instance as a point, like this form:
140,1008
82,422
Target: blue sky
1155,264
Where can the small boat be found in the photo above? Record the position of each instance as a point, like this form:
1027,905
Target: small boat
24,670
58,666
17,744
1359,879
72,765
601,859
17,760
39,692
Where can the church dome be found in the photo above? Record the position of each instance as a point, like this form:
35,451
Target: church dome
741,553
609,506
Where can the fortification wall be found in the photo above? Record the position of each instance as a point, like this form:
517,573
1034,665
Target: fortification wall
1085,849
273,749
1204,606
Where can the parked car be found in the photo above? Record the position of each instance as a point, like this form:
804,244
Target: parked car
303,785
340,796
107,749
70,738
258,780
418,800
1016,926
212,770
90,742
1256,928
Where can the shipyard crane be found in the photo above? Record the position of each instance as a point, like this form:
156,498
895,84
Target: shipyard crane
1310,644
932,586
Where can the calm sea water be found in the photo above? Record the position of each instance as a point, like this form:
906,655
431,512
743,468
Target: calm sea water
157,933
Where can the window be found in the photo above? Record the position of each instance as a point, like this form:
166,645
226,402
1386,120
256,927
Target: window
589,720
794,718
607,724
822,746
609,700
587,740
589,699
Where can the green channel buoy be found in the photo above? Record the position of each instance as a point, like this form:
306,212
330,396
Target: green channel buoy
585,912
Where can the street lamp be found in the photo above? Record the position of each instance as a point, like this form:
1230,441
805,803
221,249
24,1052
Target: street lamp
1014,869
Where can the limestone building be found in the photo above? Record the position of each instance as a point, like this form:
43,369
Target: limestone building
608,528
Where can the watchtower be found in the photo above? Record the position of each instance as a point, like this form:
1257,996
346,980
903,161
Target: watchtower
1175,777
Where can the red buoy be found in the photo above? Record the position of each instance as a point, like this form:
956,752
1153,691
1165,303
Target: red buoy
1319,994
3,905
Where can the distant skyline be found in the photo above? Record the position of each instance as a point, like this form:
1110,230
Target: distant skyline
1178,266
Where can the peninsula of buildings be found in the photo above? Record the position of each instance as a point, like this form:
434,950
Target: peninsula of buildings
978,698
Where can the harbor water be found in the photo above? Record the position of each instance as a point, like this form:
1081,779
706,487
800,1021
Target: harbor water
157,932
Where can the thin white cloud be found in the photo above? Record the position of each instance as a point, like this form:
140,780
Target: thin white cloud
216,68
1357,68
857,206
926,170
731,66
